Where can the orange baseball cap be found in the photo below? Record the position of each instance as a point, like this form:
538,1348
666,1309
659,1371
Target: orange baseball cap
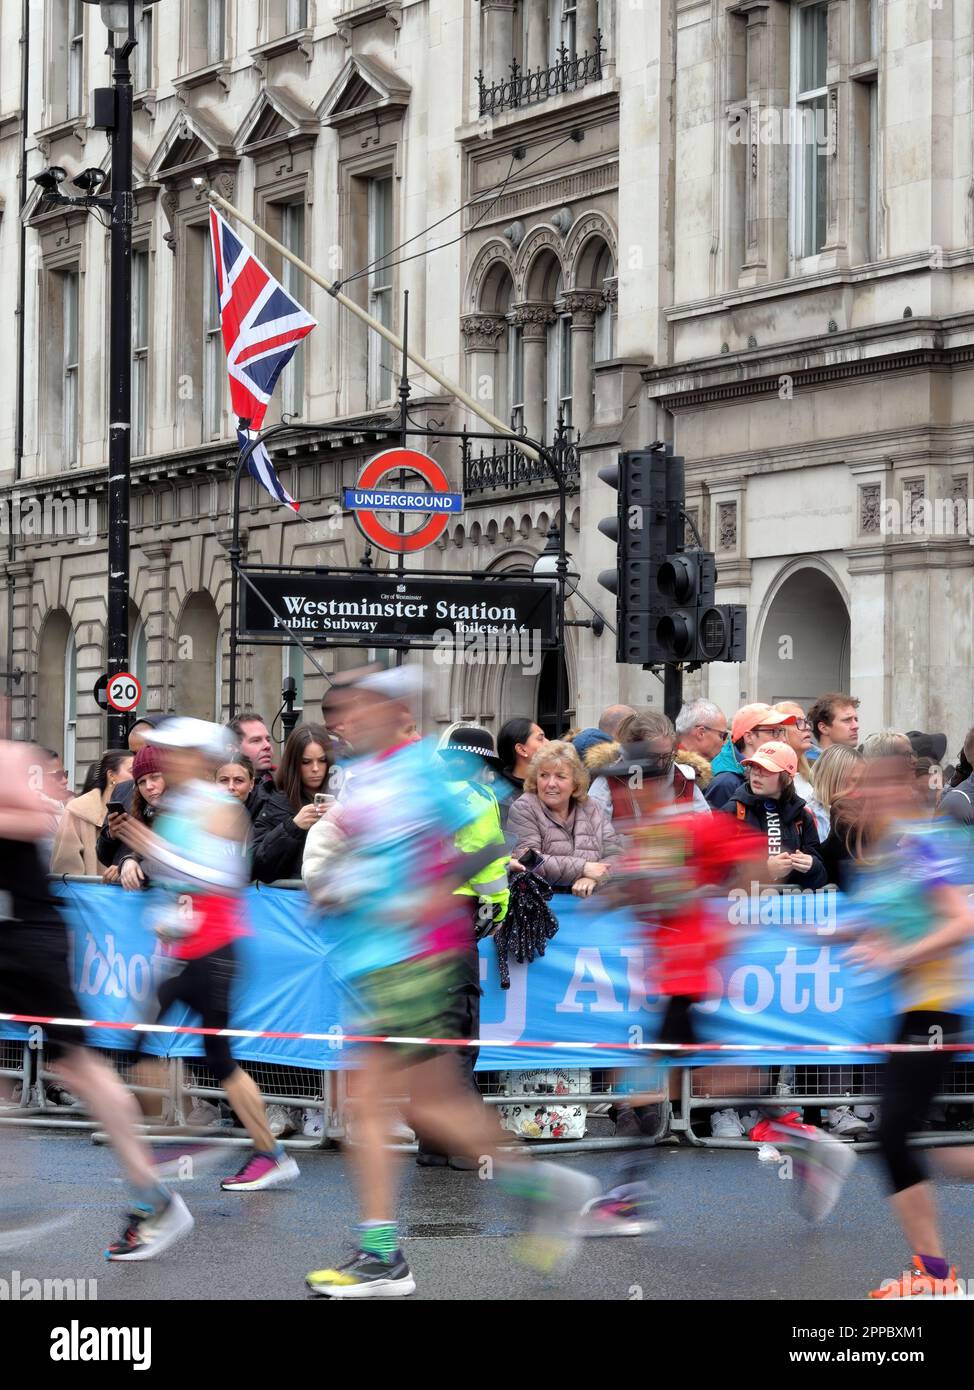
750,717
774,757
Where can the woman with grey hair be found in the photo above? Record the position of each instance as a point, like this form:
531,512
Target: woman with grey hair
561,823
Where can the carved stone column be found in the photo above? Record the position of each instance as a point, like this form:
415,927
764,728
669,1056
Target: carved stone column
482,338
498,45
24,646
583,305
156,619
586,25
536,45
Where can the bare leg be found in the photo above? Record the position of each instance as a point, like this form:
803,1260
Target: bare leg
916,1211
97,1083
246,1099
373,1162
450,1115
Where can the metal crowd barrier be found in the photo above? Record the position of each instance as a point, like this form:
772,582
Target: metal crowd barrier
825,1085
819,1085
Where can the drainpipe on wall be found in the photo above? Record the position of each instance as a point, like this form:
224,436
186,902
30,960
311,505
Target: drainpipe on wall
21,292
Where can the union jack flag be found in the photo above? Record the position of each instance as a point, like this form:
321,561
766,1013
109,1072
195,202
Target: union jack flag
262,325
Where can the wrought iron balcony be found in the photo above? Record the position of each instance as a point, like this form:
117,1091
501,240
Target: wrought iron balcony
524,87
509,470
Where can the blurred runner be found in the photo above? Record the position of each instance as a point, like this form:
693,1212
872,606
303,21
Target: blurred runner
35,978
911,896
399,937
197,851
675,861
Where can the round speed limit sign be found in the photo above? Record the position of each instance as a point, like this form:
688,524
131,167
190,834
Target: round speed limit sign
123,692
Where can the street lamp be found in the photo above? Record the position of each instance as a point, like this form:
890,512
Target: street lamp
113,113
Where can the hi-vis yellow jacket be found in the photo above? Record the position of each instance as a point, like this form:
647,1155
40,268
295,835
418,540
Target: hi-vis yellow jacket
484,829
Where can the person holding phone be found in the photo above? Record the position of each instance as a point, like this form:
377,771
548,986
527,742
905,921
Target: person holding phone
149,786
76,843
287,815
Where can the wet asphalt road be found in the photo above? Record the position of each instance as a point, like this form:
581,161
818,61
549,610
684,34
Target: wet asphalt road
728,1231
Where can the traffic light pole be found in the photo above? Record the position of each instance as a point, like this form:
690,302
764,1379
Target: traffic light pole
675,499
672,690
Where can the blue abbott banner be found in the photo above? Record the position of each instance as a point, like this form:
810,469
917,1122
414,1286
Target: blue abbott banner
782,984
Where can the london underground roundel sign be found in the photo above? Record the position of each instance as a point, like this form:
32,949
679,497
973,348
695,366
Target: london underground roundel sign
436,504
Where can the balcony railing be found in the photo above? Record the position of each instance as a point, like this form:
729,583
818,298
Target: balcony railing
510,471
524,87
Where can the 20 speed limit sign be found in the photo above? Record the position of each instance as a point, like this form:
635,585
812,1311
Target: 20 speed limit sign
123,692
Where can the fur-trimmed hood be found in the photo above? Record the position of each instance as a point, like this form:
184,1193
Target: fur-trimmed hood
694,768
599,755
700,765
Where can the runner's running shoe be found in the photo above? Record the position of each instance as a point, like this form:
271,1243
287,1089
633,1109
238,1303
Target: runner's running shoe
821,1166
149,1232
625,1211
260,1171
917,1283
554,1195
364,1276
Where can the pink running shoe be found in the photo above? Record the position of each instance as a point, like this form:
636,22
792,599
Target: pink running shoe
260,1171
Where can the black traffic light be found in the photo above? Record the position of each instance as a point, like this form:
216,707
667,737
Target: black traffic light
665,595
639,531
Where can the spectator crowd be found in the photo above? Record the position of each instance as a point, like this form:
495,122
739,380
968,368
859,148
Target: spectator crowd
549,806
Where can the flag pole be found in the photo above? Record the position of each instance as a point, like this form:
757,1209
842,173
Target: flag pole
379,328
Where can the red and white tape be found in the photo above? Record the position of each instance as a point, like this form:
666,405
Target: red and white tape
337,1038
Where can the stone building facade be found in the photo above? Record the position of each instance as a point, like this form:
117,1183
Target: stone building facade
745,228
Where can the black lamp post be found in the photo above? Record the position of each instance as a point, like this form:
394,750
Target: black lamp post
113,112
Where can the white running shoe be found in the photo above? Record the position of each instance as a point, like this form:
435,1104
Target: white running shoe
202,1114
149,1233
844,1123
726,1124
821,1166
313,1123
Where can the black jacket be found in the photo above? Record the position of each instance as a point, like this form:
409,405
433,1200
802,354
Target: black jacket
264,787
507,788
798,831
278,844
839,863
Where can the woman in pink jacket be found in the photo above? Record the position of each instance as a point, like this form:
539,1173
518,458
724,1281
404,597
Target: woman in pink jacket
559,821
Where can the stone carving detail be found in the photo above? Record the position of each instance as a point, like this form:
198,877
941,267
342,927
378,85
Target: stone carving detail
534,318
482,332
869,508
584,303
726,525
913,494
170,206
692,516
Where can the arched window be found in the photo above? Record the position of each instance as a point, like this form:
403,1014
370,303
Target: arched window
70,732
604,279
197,667
57,681
558,364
